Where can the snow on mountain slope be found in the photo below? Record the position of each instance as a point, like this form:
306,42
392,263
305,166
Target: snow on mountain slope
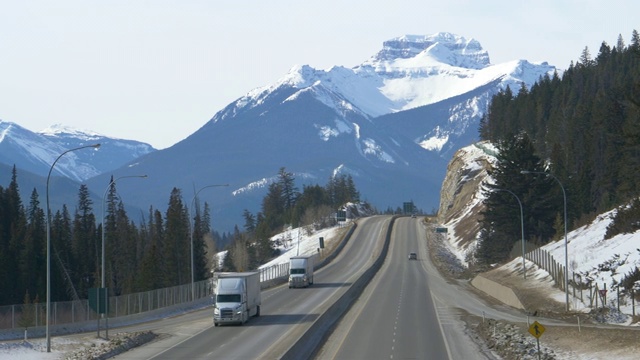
36,152
409,72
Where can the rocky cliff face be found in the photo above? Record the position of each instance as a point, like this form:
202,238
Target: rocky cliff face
461,193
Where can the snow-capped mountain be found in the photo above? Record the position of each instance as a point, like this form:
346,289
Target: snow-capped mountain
35,152
391,122
408,73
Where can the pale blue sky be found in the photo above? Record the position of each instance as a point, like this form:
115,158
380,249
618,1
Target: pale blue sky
157,70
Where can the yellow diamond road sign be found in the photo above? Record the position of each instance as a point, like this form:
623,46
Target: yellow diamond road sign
536,329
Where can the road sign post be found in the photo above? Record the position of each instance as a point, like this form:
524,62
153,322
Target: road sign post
536,329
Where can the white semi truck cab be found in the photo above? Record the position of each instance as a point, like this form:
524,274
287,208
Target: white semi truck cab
301,271
238,297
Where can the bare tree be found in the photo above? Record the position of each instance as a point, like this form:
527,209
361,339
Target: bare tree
240,254
211,248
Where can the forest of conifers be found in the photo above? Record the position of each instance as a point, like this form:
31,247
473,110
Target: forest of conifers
146,256
582,128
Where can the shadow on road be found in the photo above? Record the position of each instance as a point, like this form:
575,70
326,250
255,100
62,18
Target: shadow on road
325,285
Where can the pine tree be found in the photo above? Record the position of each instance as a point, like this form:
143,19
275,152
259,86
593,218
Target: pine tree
63,258
28,315
85,244
4,248
501,219
14,221
201,228
635,41
273,207
585,57
620,43
33,258
152,270
176,241
249,221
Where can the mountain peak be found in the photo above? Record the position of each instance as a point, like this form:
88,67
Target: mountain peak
443,47
63,130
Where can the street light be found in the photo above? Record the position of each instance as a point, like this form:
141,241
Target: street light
49,242
524,269
566,246
191,230
111,183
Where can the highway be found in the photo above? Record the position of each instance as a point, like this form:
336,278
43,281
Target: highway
285,313
409,311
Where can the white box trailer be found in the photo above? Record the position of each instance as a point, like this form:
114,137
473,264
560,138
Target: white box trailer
301,271
238,297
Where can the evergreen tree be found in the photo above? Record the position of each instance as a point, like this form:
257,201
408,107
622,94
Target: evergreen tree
620,43
85,243
63,275
176,245
152,273
501,220
15,232
201,229
4,248
123,254
635,41
112,241
249,221
33,257
585,57
273,207
604,54
288,188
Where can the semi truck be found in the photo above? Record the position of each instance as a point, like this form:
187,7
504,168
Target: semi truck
301,271
238,297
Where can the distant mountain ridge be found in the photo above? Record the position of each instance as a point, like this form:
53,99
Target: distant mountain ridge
36,152
391,122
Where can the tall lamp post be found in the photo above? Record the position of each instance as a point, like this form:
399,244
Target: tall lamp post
49,241
566,246
111,183
193,285
524,269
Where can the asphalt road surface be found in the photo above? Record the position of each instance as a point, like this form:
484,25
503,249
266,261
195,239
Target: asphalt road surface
409,311
285,313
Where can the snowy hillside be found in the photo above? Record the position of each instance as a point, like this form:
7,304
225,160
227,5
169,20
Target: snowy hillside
603,262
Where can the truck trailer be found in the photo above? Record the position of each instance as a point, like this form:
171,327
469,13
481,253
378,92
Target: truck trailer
301,271
238,297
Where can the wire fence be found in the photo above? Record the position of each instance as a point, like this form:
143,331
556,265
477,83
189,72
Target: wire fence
23,316
591,294
28,316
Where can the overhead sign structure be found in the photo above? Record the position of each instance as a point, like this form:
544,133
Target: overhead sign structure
408,207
